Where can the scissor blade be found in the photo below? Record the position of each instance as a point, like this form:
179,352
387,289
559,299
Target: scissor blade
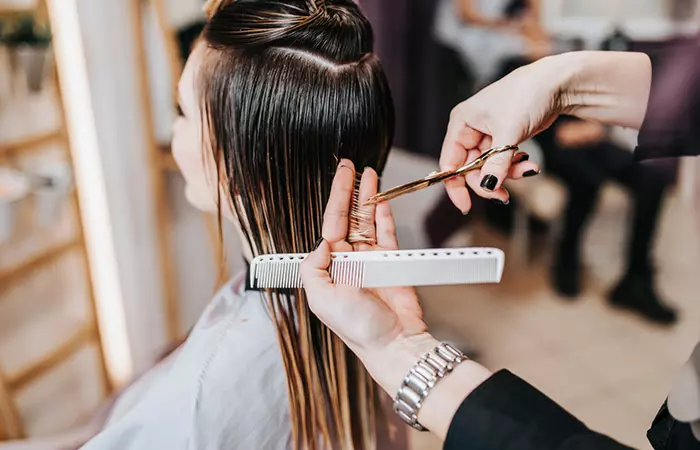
397,191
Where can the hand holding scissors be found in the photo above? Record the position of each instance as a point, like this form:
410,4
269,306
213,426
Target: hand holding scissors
445,175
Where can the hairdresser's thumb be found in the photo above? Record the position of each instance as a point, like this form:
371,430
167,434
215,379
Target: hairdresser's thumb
314,268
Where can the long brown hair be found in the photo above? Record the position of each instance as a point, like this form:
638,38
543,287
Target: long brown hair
287,89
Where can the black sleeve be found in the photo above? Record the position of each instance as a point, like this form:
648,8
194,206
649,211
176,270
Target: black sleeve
506,413
666,433
671,126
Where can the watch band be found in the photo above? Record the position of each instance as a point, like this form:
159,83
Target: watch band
418,382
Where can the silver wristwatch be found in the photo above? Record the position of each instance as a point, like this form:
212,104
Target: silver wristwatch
421,378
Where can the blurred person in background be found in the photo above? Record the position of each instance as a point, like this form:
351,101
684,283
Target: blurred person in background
487,32
582,155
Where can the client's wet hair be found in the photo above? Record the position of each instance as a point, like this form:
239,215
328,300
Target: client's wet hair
287,89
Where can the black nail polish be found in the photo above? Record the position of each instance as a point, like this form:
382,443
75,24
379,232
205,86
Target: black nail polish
317,244
524,157
489,182
501,202
530,173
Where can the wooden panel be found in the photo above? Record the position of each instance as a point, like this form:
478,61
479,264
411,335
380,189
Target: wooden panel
64,351
16,273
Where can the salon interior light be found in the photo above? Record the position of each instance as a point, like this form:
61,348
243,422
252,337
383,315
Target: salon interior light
89,170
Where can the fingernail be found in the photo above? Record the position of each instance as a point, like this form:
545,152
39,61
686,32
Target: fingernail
524,157
531,173
489,182
317,244
464,213
501,202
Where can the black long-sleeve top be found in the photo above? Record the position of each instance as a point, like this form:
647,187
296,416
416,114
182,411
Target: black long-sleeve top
506,413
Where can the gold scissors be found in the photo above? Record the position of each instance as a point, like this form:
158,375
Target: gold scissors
437,177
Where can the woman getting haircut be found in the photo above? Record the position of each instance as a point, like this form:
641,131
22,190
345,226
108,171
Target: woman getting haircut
275,94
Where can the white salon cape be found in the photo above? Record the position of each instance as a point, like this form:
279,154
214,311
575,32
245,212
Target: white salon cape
224,389
481,49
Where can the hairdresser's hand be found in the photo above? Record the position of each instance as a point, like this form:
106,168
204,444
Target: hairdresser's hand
365,319
607,87
504,113
383,327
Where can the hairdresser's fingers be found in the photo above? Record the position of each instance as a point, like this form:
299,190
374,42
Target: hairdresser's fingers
455,153
314,268
493,173
386,227
457,187
459,139
365,215
523,170
499,195
522,165
459,194
336,217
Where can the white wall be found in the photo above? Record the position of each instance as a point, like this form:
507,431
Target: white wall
182,12
593,20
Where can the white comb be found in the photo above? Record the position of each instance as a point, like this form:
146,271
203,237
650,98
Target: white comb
424,267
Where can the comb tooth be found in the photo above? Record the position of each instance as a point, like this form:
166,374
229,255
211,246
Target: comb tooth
297,276
357,275
278,277
291,274
341,272
283,274
361,280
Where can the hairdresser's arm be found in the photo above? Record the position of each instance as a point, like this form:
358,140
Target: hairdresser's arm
468,408
607,87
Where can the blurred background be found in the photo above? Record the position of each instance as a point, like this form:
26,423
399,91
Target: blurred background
104,267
